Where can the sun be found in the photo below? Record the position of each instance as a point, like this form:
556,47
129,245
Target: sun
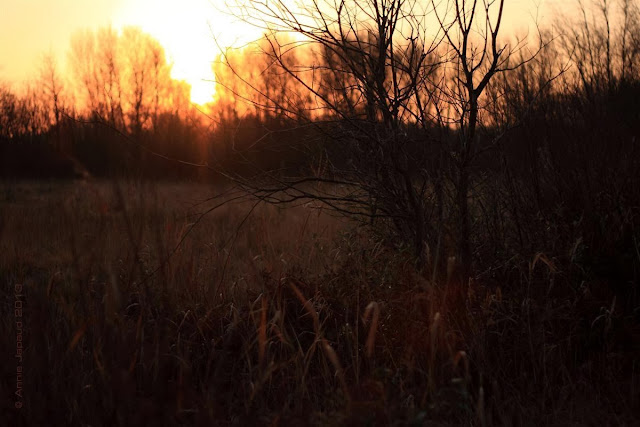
192,35
202,91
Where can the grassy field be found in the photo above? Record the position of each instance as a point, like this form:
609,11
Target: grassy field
144,304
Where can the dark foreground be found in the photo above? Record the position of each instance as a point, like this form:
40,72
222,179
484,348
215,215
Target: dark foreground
111,316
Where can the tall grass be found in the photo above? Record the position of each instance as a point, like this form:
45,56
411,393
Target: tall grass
141,311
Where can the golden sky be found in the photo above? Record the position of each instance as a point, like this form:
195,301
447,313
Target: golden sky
186,29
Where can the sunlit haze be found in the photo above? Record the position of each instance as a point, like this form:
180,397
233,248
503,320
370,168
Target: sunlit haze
189,30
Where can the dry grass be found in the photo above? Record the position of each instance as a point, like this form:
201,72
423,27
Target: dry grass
295,318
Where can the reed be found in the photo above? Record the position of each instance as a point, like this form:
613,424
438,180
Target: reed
139,310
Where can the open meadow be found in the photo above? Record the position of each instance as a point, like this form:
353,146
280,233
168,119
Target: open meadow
137,309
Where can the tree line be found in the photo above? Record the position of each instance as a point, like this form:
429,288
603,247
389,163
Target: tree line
116,101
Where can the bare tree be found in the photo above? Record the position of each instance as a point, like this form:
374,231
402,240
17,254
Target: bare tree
97,66
602,43
53,91
10,114
124,77
390,90
475,61
368,169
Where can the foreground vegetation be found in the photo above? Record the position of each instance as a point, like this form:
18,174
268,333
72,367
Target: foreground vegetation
271,316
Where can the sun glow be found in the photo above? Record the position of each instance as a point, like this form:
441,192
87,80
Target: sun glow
192,33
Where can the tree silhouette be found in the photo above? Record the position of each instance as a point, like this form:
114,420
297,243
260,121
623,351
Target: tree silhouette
397,89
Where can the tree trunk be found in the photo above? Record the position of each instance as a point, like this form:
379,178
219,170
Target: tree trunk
464,231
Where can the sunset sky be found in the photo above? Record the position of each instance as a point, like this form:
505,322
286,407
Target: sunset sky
186,29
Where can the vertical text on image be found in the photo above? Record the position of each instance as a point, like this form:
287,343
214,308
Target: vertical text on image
18,306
